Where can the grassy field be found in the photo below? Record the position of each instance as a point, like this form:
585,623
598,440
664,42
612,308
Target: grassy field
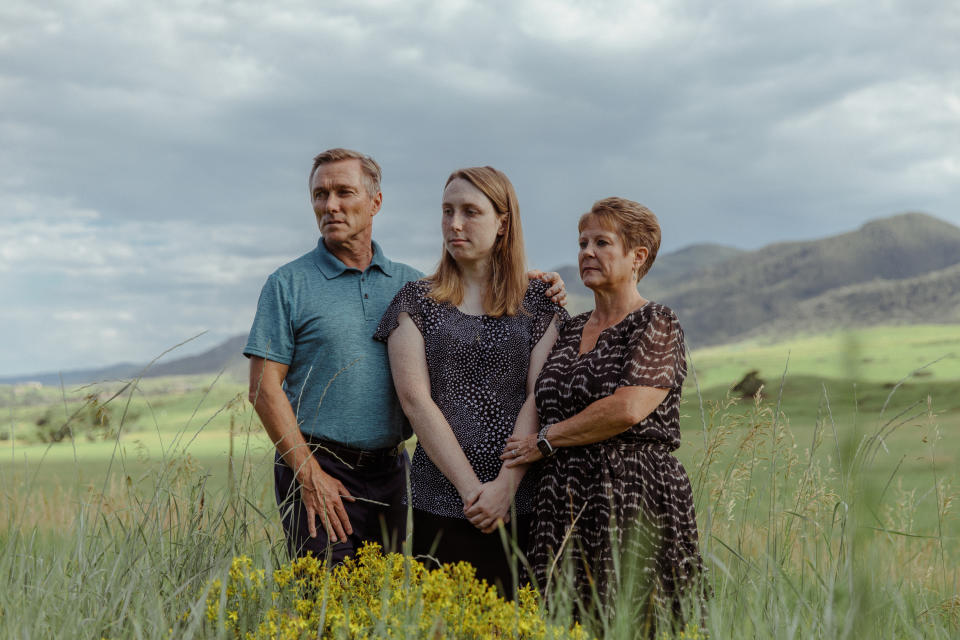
825,506
880,354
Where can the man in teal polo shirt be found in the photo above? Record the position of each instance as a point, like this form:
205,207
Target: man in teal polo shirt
320,383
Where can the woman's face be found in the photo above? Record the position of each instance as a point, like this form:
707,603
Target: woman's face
470,225
603,260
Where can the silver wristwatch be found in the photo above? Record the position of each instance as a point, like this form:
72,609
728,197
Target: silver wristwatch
546,449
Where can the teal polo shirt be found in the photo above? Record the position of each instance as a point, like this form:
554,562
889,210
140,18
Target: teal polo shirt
318,316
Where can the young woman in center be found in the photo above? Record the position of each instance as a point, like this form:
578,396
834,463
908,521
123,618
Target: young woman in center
466,345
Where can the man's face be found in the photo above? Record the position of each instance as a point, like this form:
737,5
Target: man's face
341,203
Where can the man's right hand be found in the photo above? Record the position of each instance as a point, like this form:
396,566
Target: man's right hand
323,496
321,493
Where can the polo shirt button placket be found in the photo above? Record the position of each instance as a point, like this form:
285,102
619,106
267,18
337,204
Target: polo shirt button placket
365,296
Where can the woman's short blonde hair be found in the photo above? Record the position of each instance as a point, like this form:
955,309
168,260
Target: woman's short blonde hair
634,224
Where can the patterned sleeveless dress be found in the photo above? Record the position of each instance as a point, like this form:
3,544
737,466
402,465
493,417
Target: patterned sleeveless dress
619,511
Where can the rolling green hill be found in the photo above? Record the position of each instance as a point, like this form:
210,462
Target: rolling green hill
877,355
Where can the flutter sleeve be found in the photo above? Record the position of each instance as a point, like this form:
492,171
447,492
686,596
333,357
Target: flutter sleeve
543,310
656,353
409,300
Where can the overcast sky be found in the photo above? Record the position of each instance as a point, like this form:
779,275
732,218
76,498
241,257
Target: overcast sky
154,155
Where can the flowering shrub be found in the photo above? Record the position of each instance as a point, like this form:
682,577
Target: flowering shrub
373,596
690,632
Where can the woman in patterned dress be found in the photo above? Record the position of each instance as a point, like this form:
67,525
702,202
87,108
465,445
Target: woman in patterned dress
465,346
612,500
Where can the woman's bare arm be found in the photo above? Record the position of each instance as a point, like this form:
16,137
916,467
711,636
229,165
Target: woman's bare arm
408,365
599,421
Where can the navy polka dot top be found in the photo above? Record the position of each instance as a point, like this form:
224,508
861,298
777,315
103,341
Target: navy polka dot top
478,376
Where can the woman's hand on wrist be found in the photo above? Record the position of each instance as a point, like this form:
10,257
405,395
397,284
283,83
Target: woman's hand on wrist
520,450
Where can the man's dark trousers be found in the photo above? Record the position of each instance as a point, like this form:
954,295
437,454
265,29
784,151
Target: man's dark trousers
380,517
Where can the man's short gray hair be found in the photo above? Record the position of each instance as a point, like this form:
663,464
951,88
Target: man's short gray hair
371,170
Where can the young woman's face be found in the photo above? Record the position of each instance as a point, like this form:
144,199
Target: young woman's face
470,225
603,260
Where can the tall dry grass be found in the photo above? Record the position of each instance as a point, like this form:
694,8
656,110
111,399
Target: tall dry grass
802,536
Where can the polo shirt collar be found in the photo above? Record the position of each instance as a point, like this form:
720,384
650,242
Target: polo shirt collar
331,266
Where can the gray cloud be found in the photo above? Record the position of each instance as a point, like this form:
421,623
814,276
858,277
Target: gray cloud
155,156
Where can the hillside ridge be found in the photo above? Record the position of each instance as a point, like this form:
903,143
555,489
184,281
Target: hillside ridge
902,269
735,298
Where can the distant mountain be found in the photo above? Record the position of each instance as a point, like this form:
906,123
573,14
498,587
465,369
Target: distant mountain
849,277
668,268
78,376
930,298
227,355
904,269
673,268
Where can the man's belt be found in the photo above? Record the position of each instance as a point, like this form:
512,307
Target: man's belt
354,458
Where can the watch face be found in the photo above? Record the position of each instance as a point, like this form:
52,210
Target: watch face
544,447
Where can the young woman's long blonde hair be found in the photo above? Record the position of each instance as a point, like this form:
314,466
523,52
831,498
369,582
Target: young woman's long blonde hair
503,295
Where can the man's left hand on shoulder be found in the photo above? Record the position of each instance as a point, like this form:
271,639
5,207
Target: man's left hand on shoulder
557,291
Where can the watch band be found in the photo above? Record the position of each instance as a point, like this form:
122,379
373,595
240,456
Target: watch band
546,449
